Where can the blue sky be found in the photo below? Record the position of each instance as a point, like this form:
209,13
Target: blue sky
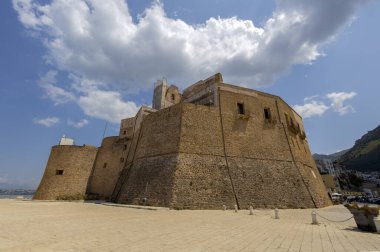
68,67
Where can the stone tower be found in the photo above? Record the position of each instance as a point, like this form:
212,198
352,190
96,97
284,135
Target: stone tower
165,95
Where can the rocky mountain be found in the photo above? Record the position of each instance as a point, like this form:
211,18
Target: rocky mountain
333,156
365,154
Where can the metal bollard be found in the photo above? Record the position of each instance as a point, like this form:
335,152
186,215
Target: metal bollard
224,208
236,209
276,216
250,210
314,220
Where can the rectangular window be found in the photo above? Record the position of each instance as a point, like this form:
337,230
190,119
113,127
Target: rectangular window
121,160
267,113
105,165
125,147
240,108
58,172
124,132
173,97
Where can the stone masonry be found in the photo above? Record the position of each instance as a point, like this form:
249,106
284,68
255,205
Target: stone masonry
215,144
67,173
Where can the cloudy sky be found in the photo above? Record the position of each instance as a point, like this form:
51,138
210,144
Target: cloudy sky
69,66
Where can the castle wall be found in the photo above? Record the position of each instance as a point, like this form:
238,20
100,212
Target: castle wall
268,184
201,130
302,156
76,163
151,163
108,164
259,169
230,145
252,137
201,177
202,182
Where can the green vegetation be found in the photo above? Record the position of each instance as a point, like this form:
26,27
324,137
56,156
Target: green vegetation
365,155
369,147
355,180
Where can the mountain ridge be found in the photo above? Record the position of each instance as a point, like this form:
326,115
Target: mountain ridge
365,154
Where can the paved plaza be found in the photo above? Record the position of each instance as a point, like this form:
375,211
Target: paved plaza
73,226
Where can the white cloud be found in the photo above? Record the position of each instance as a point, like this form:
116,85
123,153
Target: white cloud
97,40
48,121
106,105
80,124
88,96
313,108
310,98
337,100
56,94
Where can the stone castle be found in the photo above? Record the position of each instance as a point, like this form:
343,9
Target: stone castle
214,144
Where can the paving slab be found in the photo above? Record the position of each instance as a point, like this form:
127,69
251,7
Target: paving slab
80,226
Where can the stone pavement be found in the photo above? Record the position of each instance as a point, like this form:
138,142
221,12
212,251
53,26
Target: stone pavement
72,226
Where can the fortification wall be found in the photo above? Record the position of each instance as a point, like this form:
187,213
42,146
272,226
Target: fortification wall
108,164
259,169
75,163
152,161
268,184
202,182
150,178
302,156
252,137
201,176
160,133
194,156
201,130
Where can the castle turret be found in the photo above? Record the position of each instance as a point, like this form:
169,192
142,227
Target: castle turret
164,95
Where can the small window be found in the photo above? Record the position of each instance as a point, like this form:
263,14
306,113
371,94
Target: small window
173,97
121,160
124,147
267,113
240,107
105,165
58,172
124,132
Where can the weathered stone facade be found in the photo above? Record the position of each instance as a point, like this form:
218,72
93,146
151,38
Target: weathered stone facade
107,166
218,145
67,173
